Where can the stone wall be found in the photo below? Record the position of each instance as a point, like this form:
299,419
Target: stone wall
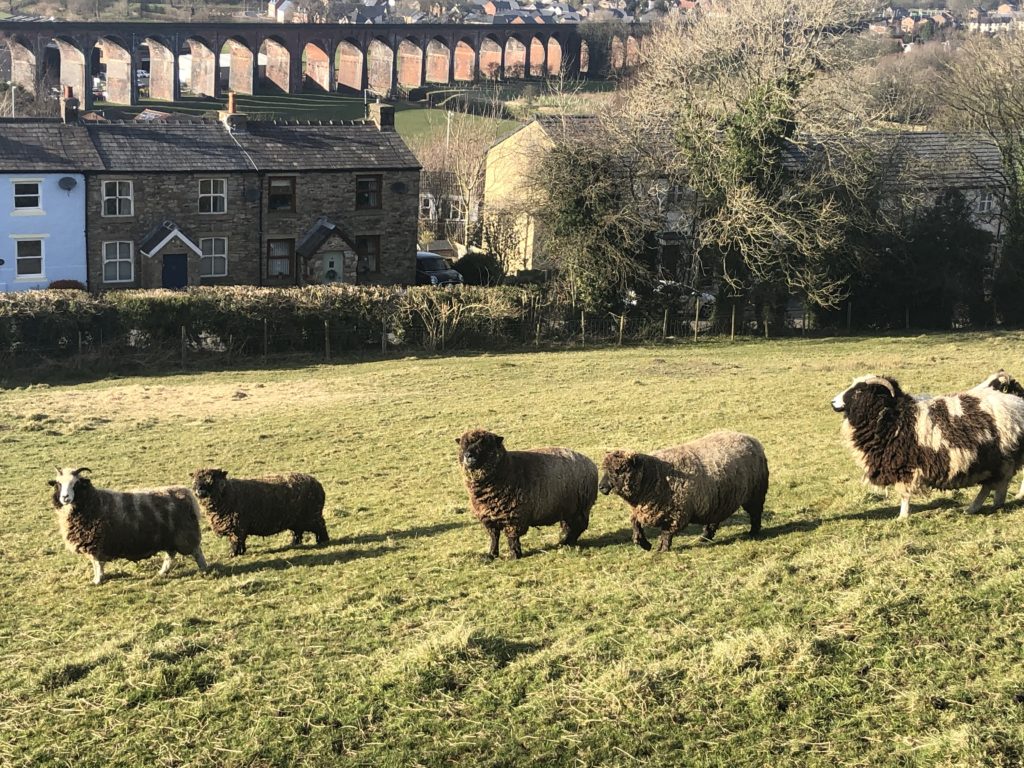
160,197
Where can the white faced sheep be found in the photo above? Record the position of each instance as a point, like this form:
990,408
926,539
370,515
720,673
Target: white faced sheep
956,441
703,481
512,490
261,506
114,525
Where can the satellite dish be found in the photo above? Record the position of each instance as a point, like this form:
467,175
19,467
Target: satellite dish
399,188
67,183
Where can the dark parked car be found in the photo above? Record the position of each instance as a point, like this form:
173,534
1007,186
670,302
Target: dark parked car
432,269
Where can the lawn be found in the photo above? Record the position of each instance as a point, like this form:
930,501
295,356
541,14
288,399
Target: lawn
840,637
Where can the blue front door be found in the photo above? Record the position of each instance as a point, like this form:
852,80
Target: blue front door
175,273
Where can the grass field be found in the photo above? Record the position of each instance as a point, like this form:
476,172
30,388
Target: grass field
840,637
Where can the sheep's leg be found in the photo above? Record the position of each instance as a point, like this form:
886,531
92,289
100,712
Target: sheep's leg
168,562
979,500
904,507
755,508
297,537
197,553
238,545
638,537
709,532
97,571
320,531
1020,493
495,534
515,548
665,540
1001,491
571,531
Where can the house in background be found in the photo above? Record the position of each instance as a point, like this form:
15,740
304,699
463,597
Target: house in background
42,202
241,202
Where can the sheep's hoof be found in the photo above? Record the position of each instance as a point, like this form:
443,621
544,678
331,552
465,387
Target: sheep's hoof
644,544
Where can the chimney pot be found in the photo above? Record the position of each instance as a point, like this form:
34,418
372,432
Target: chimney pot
68,106
231,102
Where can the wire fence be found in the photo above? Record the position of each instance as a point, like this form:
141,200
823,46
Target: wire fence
263,341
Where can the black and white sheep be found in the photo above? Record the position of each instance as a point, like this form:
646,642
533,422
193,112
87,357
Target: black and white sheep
956,441
703,481
115,525
512,490
261,506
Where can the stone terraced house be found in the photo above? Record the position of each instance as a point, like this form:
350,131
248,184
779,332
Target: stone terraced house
176,203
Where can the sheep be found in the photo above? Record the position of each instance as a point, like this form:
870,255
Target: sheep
1001,381
261,506
702,481
114,525
512,490
956,441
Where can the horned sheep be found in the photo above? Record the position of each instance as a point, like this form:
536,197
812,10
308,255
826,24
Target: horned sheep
956,441
113,525
261,506
512,490
703,481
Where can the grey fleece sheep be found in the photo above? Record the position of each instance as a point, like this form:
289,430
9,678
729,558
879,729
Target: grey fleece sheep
512,490
111,525
261,506
703,481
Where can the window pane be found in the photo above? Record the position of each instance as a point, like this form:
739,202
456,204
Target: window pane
278,267
110,272
205,205
30,248
124,270
280,248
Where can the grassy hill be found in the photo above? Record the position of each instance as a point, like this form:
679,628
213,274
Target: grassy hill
841,637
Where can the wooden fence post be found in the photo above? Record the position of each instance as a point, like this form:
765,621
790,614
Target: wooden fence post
327,339
622,326
732,324
183,346
536,338
696,320
266,340
664,326
583,328
384,336
79,362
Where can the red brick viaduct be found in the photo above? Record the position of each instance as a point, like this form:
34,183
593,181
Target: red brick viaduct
208,58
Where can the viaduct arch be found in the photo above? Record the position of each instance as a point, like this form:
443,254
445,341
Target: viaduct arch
208,58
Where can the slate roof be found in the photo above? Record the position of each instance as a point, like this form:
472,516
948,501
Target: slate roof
278,146
37,145
204,146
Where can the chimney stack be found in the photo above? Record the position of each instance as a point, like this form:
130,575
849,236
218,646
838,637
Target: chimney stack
232,120
383,115
68,106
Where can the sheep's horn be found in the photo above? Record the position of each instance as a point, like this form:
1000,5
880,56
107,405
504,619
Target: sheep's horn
81,470
884,382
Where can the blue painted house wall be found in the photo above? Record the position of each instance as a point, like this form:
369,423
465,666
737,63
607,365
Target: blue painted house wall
58,223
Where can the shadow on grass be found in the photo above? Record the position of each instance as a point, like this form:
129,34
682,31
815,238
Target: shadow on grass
503,650
608,539
890,511
307,559
408,533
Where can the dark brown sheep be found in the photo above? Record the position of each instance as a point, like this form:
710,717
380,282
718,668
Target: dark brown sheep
512,490
114,525
703,481
261,506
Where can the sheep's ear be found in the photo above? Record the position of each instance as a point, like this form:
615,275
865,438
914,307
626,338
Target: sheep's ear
501,440
458,441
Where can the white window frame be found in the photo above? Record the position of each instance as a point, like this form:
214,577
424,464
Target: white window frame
212,196
213,256
41,239
117,196
104,261
985,202
431,202
36,210
460,202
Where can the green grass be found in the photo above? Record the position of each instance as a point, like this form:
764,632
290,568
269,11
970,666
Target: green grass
411,120
841,637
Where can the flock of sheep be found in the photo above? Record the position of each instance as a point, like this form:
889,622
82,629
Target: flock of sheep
972,438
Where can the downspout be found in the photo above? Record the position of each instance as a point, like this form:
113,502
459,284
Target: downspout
225,119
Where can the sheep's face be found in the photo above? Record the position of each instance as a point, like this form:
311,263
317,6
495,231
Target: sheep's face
67,482
623,474
1003,382
208,482
480,450
866,396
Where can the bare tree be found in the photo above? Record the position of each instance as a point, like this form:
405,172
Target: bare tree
750,110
